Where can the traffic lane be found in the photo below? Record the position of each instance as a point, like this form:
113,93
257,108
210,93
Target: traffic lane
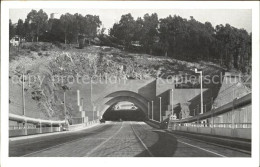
80,147
122,144
166,145
46,136
211,148
120,140
26,146
117,139
239,144
173,145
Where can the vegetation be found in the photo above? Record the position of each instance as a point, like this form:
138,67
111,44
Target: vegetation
46,60
173,36
180,38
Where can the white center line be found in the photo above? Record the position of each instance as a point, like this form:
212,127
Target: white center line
149,152
101,144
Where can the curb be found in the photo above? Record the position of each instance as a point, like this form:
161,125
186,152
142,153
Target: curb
49,134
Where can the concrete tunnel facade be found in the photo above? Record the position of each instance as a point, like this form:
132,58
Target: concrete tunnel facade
115,97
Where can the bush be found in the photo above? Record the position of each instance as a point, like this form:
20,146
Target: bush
59,45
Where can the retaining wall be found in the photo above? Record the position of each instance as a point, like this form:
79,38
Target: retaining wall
243,133
24,132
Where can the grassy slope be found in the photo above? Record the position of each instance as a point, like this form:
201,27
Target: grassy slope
48,60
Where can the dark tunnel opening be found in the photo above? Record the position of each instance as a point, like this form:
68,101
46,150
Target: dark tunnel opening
127,111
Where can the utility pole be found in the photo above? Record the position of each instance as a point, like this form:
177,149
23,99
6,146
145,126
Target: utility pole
160,109
23,96
78,97
152,110
82,103
148,110
64,103
172,101
93,111
201,91
92,105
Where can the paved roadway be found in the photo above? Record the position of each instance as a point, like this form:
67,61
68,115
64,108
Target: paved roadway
118,139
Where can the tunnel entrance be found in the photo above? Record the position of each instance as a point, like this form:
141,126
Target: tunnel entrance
124,111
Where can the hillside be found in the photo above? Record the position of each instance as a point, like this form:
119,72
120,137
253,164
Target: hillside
45,60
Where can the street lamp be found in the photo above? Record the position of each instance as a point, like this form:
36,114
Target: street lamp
64,102
81,103
152,110
23,96
148,110
93,108
160,109
201,91
172,101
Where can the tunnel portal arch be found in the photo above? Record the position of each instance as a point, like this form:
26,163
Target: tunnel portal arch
119,96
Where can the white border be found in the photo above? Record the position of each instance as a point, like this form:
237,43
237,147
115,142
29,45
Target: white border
128,162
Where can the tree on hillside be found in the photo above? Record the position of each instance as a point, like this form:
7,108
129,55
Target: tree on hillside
11,29
149,31
55,30
20,28
235,46
67,22
125,30
75,25
38,22
173,34
92,25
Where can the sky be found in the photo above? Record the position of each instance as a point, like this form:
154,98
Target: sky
239,18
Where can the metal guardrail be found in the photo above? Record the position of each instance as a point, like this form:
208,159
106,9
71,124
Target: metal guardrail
218,125
20,118
236,103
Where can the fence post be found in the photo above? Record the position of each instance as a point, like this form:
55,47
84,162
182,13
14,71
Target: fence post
25,127
40,127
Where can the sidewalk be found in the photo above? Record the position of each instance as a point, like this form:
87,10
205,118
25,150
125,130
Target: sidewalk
235,143
49,134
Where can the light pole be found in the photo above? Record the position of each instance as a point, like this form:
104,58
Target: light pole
78,97
172,101
160,109
82,103
201,91
148,110
93,108
82,109
23,96
64,102
152,110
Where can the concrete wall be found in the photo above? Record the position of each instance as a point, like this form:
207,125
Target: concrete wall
24,132
243,133
80,126
17,132
33,131
75,127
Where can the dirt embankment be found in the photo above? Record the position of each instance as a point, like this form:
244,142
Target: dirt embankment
42,61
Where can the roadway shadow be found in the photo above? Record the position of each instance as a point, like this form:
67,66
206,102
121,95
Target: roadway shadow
26,146
164,147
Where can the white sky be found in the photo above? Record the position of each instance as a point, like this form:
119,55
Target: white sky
239,18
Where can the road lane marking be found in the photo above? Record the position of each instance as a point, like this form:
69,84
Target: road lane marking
210,143
25,155
104,142
146,148
212,152
41,150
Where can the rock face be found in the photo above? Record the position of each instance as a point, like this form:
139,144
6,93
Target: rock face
46,97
